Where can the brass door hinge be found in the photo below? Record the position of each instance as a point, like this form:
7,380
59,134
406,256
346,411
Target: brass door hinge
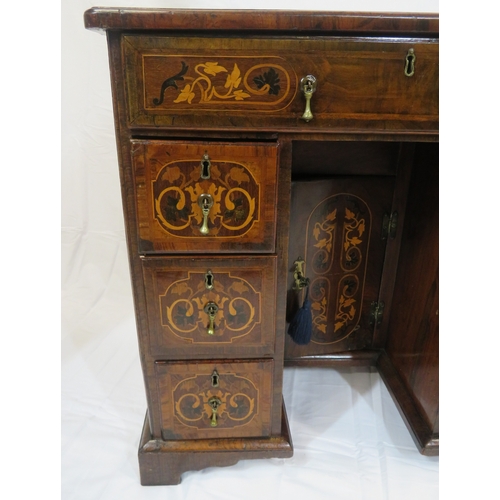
389,225
376,313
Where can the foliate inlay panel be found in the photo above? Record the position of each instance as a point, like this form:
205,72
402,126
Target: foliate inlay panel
182,205
337,245
194,407
211,304
337,230
249,83
232,188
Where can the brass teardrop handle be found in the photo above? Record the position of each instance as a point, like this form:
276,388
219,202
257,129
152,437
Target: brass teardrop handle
308,87
211,309
205,201
214,403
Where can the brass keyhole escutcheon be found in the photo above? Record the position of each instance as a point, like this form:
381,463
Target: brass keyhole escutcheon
205,201
214,403
205,166
209,280
211,309
308,87
410,63
215,379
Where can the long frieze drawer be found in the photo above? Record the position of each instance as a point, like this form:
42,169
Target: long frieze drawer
205,196
215,307
207,399
376,83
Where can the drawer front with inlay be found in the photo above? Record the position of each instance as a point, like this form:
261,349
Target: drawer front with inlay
205,196
214,307
265,83
207,399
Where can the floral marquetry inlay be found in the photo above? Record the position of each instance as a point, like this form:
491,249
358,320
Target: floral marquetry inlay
195,406
233,189
337,249
238,398
184,314
238,82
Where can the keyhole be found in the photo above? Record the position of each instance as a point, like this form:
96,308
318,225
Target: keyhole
209,280
215,379
410,63
205,167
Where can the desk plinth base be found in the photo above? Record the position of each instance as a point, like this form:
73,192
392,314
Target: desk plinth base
163,462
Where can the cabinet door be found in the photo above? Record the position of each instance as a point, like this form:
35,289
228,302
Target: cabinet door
336,228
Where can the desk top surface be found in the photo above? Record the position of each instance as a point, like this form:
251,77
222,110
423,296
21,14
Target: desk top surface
317,22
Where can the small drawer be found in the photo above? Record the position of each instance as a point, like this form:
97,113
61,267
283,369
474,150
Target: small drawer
217,307
201,197
207,399
372,83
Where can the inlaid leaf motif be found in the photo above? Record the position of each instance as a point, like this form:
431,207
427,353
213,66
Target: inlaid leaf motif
349,215
234,78
316,232
191,386
321,327
321,243
212,68
316,306
355,240
339,325
239,95
361,228
180,288
269,78
238,175
195,173
332,215
214,172
185,94
171,174
239,287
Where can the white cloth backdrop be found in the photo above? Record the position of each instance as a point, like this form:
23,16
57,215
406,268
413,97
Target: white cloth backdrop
350,442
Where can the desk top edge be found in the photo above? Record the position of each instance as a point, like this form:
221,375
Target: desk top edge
320,22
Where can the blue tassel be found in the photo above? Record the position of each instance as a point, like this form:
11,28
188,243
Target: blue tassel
300,328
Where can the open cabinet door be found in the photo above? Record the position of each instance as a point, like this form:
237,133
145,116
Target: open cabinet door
336,228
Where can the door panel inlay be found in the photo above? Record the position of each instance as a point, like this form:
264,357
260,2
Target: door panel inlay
336,228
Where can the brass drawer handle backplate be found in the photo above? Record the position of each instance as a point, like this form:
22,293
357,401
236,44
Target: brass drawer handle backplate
211,309
308,87
214,403
205,201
